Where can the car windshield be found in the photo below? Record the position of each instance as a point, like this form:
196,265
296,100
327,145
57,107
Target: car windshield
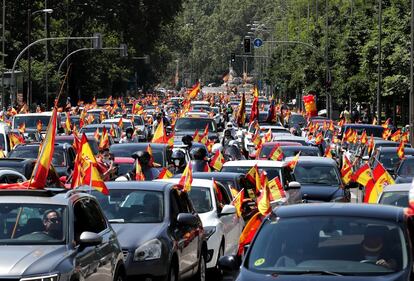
92,143
192,124
407,168
32,224
390,160
297,119
201,199
30,121
324,175
272,172
121,150
32,151
138,121
290,151
127,123
132,206
342,245
395,198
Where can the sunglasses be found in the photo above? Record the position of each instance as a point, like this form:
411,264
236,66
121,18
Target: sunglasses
53,220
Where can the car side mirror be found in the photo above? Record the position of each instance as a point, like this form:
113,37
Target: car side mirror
90,239
227,210
293,185
228,263
187,219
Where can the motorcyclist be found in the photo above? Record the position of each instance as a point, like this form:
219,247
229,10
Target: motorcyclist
128,138
232,152
226,138
178,161
199,161
150,173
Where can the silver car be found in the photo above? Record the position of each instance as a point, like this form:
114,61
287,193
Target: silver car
56,235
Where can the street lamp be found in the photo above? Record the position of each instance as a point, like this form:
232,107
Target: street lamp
30,16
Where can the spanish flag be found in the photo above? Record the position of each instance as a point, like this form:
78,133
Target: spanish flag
400,150
328,153
319,138
396,136
218,191
364,177
41,169
251,174
370,144
263,202
249,231
15,139
104,141
217,161
238,202
382,178
364,138
196,136
276,154
276,189
121,123
186,178
268,136
139,175
241,112
346,170
192,94
254,114
160,136
292,164
165,174
386,133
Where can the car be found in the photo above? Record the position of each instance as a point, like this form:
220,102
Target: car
405,171
221,224
97,112
161,235
54,234
328,241
389,158
30,121
115,121
272,168
268,147
63,156
320,180
141,130
124,165
289,149
161,152
395,195
90,130
188,126
93,143
296,119
291,138
375,130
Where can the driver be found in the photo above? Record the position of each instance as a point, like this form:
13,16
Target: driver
52,224
373,248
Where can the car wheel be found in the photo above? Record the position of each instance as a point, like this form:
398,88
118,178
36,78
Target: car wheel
120,277
201,273
217,273
172,275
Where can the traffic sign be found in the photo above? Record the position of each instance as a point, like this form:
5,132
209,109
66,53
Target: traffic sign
258,43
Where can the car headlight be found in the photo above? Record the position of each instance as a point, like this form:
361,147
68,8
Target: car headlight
50,277
208,231
150,250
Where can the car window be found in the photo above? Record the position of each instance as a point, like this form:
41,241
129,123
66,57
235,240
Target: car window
225,196
272,172
23,223
192,124
87,217
132,206
395,198
325,175
201,199
324,243
11,179
30,121
406,168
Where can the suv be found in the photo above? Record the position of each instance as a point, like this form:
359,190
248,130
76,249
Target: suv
56,235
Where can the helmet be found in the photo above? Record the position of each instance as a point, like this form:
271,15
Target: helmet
198,153
229,125
216,146
187,140
143,157
178,158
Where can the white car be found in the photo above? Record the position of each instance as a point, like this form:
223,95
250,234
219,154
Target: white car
221,225
127,122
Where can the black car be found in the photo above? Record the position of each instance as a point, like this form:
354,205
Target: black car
405,171
329,241
161,152
160,234
320,180
388,157
374,130
188,126
63,156
51,235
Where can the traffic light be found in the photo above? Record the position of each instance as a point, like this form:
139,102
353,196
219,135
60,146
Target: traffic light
233,57
247,44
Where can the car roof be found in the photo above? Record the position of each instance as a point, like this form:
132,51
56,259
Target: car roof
116,120
394,149
288,137
56,196
124,160
397,187
251,163
139,145
46,113
317,160
139,185
283,143
217,175
382,212
195,182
